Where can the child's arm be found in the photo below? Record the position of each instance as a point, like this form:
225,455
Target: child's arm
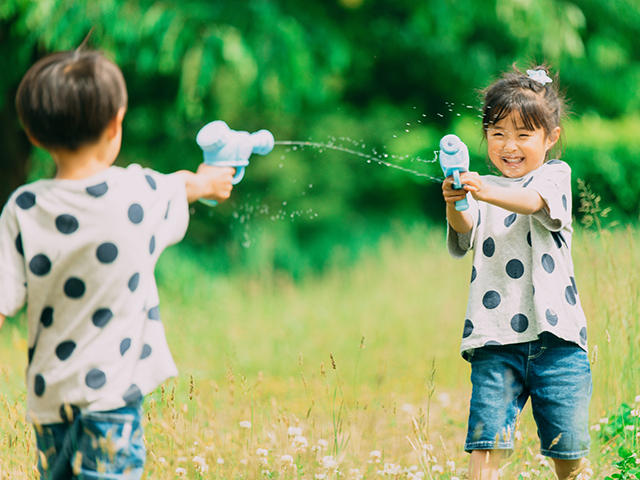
212,183
2,318
518,200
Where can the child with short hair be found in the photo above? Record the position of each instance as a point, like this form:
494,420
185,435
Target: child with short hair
80,251
525,332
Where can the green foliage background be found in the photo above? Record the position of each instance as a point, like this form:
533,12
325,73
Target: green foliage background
378,76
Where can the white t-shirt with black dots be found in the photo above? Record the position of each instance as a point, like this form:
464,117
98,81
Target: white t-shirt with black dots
522,280
81,254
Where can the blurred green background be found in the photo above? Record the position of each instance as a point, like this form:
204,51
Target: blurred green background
386,78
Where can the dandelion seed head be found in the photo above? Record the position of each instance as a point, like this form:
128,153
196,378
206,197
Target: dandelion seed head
245,424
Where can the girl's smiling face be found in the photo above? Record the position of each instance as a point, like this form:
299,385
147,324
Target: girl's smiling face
516,150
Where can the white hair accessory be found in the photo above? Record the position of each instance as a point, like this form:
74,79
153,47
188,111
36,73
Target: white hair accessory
539,76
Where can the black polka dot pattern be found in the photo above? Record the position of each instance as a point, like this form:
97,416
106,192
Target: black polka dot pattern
98,190
479,217
556,239
102,317
32,350
152,245
573,284
107,253
548,263
39,385
65,349
125,345
67,224
583,335
491,299
570,295
95,379
133,282
166,214
488,247
510,220
151,181
554,162
519,323
19,246
146,351
526,184
551,317
468,328
529,238
136,213
564,202
493,343
132,394
46,317
40,265
154,313
515,268
26,200
74,288
474,274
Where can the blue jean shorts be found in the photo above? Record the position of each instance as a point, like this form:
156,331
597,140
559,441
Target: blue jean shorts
110,444
555,374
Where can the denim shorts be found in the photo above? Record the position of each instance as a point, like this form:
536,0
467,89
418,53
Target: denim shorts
110,445
556,375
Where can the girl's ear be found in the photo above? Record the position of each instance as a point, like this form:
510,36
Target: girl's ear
114,126
553,137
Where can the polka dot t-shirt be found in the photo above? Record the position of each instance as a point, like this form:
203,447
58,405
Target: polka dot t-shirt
81,254
522,281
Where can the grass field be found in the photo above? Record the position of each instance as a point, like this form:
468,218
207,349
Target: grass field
352,373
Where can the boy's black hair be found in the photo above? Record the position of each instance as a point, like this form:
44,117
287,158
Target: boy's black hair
66,99
539,105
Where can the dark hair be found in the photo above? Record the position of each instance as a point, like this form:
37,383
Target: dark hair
67,99
539,105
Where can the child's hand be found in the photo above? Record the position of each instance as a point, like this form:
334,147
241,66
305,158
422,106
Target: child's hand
472,182
211,183
217,181
451,195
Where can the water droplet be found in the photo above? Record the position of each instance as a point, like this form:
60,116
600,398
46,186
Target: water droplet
280,166
284,203
311,185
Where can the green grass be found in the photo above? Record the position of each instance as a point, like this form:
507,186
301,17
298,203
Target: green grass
262,348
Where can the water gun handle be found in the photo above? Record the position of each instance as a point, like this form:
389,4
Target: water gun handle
461,205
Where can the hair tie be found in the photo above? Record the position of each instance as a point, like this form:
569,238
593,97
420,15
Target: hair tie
539,76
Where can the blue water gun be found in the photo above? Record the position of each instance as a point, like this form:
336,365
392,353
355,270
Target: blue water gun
454,158
223,147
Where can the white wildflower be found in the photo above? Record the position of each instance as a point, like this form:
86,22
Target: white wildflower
637,398
392,469
299,444
322,443
287,461
525,475
320,476
451,465
437,469
244,461
631,428
329,463
181,459
180,472
294,431
604,420
635,413
161,460
518,435
265,472
355,474
375,456
245,424
535,472
262,452
220,461
595,428
262,461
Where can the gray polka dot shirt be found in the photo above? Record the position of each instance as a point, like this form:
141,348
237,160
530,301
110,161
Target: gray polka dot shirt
81,254
522,280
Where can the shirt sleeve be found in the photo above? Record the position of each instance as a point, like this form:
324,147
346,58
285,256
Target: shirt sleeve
553,183
13,290
459,244
173,214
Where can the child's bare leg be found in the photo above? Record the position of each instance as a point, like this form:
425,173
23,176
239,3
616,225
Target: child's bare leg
564,468
484,464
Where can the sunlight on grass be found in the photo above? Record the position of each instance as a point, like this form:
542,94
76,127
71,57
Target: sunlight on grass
355,371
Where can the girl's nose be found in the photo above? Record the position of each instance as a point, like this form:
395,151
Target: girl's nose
510,146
